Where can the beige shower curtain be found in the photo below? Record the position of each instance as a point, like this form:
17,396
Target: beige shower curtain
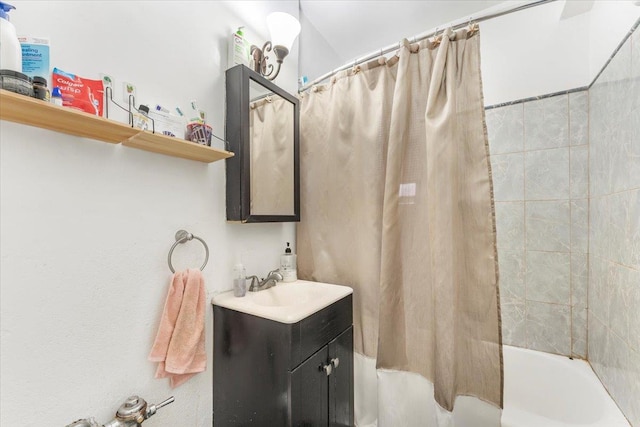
397,203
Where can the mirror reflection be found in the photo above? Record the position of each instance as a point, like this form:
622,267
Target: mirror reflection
271,129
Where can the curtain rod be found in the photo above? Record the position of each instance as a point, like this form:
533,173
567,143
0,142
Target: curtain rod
259,97
455,25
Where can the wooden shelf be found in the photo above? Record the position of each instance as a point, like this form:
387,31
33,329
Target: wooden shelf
34,112
175,147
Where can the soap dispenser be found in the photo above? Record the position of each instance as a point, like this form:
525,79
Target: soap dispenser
288,267
239,280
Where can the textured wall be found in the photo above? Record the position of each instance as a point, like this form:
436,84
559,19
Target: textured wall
539,157
614,250
86,226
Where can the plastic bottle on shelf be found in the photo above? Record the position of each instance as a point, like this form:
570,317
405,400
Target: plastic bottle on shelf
10,49
288,267
141,118
56,96
238,49
239,280
40,89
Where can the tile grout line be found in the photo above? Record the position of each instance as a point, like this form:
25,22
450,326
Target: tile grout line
524,228
536,98
537,149
615,193
550,303
617,263
548,252
569,134
588,272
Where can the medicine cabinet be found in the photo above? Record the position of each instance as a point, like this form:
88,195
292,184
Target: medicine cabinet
262,130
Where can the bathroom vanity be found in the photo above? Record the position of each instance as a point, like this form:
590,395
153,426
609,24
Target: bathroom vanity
284,356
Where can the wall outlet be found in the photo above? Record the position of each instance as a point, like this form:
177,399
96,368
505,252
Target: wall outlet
128,89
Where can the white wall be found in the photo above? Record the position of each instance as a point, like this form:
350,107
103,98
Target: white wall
532,53
535,52
318,56
86,226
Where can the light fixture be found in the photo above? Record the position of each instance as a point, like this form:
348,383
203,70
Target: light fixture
283,29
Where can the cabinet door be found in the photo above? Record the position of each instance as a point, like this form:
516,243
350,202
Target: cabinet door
341,380
309,391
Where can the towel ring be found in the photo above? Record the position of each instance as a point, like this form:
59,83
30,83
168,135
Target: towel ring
183,236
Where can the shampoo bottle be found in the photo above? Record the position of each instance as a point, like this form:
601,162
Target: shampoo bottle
10,49
288,267
238,49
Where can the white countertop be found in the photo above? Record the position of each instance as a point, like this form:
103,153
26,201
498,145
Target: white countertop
285,302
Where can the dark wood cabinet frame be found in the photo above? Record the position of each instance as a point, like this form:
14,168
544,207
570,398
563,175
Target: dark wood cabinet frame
269,374
238,170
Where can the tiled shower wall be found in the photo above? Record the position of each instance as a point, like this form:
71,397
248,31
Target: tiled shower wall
614,278
566,173
539,157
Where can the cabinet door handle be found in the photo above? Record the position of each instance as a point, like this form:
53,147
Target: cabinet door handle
335,362
328,368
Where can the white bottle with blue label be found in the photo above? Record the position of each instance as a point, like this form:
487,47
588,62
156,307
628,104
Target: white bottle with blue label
288,267
10,50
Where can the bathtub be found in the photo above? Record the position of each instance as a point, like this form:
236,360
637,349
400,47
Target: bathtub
540,390
546,390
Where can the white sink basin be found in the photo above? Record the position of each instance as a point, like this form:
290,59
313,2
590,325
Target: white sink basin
285,302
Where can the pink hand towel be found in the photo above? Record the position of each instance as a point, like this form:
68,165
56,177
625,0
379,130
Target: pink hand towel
179,345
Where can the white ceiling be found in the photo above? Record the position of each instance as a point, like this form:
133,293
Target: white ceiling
354,28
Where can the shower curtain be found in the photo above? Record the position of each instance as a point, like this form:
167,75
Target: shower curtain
397,203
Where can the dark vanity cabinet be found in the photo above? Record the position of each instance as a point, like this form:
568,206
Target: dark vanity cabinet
272,374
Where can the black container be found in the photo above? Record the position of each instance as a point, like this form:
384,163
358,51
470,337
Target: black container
40,89
16,82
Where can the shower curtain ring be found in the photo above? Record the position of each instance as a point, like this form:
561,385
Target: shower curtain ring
355,69
437,38
472,27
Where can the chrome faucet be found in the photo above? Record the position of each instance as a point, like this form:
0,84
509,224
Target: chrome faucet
260,285
130,414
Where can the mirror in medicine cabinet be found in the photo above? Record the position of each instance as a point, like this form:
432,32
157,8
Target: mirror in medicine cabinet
263,178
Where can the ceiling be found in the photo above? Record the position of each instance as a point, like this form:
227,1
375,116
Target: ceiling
355,28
